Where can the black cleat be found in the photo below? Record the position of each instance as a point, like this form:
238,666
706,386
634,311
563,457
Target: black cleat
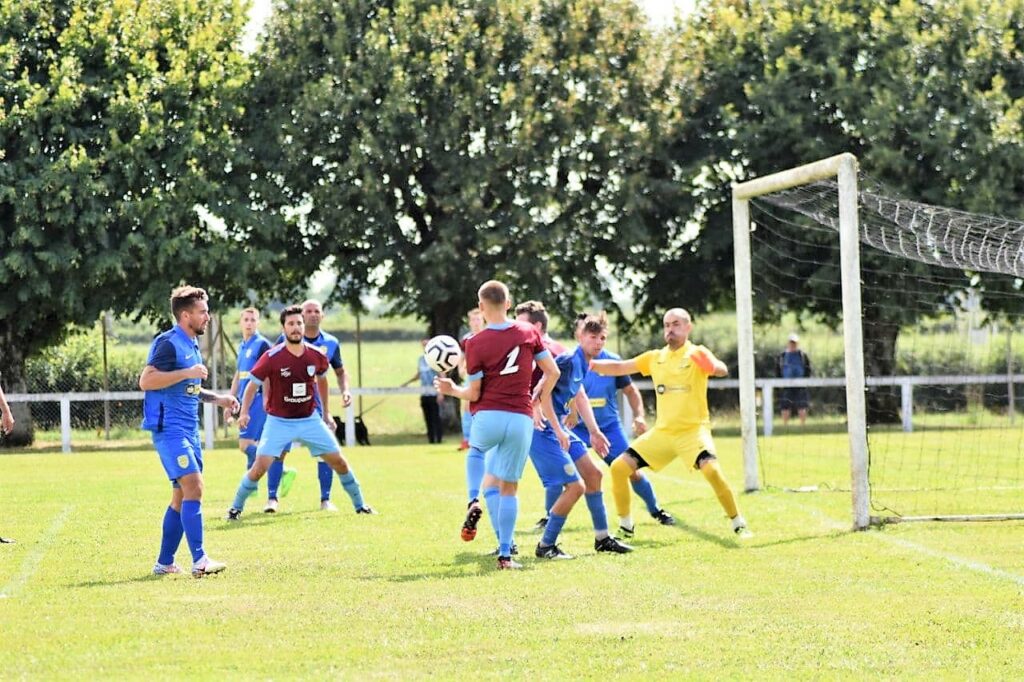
233,515
540,526
626,532
664,518
613,545
551,552
365,509
473,514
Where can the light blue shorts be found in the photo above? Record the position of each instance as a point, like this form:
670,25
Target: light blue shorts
180,453
311,431
615,435
505,437
553,464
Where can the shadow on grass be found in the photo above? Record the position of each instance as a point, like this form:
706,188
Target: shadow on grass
128,581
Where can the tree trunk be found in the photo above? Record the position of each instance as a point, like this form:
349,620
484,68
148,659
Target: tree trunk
12,370
883,402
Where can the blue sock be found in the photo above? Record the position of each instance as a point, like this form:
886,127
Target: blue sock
351,486
274,474
474,472
250,456
595,503
171,537
192,522
245,489
508,511
645,490
326,475
491,500
551,531
551,495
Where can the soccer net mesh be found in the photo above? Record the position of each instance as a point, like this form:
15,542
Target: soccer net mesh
942,303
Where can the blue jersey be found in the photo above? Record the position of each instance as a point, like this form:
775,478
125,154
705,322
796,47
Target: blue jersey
248,353
573,368
601,390
176,407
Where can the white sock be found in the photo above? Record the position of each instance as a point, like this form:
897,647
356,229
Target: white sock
626,522
600,534
738,522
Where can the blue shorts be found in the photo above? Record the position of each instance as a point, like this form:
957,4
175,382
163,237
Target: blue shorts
180,453
467,422
553,464
615,435
312,431
505,437
257,418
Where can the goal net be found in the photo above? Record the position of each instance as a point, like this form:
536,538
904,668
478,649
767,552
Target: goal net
908,315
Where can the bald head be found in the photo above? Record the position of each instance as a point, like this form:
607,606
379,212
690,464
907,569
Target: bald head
677,326
312,316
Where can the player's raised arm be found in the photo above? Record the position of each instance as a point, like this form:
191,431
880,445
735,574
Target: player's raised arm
614,368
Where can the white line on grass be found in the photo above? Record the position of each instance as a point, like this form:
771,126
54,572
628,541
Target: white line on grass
835,524
32,561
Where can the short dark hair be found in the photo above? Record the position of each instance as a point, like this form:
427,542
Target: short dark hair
185,297
536,312
593,323
289,311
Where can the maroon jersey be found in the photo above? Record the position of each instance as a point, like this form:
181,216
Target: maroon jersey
289,381
552,347
502,358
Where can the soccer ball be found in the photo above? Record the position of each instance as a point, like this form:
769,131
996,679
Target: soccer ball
442,353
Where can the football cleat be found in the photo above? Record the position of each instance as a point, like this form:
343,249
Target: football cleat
505,563
233,515
551,552
613,545
664,518
6,541
739,527
473,514
328,506
207,566
287,479
626,532
271,507
160,569
365,509
540,526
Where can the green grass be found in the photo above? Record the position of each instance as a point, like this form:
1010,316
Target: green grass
315,595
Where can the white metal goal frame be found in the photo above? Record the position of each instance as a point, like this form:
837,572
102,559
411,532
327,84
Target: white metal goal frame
843,167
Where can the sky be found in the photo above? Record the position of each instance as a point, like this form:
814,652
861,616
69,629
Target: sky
661,13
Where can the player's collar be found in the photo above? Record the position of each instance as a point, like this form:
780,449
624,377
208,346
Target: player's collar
499,325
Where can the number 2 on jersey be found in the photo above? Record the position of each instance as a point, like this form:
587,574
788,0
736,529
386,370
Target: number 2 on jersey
510,362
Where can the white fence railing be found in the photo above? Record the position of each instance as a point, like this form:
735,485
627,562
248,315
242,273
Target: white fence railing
767,386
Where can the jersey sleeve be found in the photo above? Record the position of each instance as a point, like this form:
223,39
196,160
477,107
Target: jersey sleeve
643,362
473,368
335,358
261,369
163,356
322,364
262,347
623,381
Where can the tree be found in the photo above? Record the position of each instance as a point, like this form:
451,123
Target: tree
423,147
927,95
115,125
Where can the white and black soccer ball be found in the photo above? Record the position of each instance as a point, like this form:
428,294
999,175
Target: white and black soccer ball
442,353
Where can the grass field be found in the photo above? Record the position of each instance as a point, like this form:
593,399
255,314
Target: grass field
309,594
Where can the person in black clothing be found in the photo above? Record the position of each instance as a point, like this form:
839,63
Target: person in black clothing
793,363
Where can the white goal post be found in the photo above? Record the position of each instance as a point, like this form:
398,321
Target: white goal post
844,168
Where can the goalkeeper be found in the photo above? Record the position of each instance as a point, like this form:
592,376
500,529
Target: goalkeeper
680,373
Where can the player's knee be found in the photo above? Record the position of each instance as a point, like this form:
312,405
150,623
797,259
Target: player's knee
575,489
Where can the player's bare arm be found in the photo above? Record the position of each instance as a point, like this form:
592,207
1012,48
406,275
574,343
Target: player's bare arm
469,393
247,398
346,394
614,368
225,400
598,440
324,389
153,379
636,405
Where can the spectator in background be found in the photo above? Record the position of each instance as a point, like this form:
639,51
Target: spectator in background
793,363
431,404
6,425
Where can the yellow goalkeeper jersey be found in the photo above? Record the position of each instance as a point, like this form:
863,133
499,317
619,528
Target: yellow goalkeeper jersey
681,385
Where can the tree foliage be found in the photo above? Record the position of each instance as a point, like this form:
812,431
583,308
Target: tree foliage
927,95
115,125
424,147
